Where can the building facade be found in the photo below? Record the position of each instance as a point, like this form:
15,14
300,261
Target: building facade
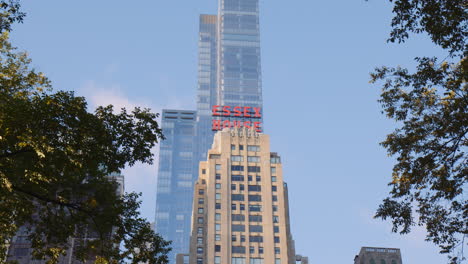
176,174
374,255
20,248
229,74
240,208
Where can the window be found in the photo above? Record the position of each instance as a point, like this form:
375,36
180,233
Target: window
275,160
242,238
255,198
372,261
237,197
253,159
200,210
238,261
258,239
255,188
258,178
276,229
20,252
238,217
199,250
233,238
237,177
253,169
277,261
274,188
275,219
382,261
233,206
217,248
242,207
218,196
241,147
394,261
277,250
218,167
275,208
237,158
233,147
201,191
255,218
256,261
218,176
199,240
273,178
217,260
252,250
238,249
218,217
217,206
218,185
217,227
255,208
233,187
201,200
203,171
253,148
256,228
200,230
238,228
237,168
260,250
274,198
241,187
199,260
273,170
249,178
277,239
200,220
218,237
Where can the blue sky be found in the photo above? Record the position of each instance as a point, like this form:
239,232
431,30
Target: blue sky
320,110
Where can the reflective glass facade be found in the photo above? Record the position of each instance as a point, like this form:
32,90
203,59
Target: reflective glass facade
239,74
176,174
229,73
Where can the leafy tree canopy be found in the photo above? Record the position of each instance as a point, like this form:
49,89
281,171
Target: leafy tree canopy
55,157
9,13
429,180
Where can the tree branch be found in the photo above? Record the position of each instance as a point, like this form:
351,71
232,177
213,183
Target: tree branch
9,154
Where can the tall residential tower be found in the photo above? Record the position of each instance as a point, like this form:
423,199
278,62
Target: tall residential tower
240,210
229,74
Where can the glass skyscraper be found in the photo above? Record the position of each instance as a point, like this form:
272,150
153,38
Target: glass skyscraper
229,74
176,174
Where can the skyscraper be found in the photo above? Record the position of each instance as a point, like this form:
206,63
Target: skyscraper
20,248
373,255
229,74
240,210
176,174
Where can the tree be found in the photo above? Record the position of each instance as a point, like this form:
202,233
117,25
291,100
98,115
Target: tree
9,13
429,179
54,160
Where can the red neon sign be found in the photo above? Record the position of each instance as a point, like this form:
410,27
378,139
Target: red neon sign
237,111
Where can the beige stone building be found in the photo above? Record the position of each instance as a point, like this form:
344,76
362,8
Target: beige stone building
240,209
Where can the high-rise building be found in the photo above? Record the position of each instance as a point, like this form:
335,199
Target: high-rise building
176,174
20,248
374,255
240,208
229,74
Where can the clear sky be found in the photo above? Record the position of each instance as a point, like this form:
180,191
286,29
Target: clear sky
320,110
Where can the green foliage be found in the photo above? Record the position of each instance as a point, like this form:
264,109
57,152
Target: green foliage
9,13
429,179
55,158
